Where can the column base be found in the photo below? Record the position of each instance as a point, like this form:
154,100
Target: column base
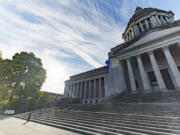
177,88
134,91
148,91
164,89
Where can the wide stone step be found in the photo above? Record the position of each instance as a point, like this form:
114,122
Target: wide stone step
125,115
98,129
117,119
153,121
106,123
112,125
69,128
77,128
139,108
155,127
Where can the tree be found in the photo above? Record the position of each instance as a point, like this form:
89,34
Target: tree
5,68
43,100
0,56
23,76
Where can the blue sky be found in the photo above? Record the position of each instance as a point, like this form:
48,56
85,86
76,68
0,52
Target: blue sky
70,36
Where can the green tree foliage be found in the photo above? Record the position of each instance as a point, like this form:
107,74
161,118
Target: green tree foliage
5,68
0,56
20,81
43,100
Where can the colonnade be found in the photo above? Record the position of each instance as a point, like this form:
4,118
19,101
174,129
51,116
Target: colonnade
86,89
146,84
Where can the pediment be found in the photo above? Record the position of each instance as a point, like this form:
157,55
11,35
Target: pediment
153,36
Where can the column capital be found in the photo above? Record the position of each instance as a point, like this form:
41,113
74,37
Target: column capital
151,52
138,56
128,59
165,48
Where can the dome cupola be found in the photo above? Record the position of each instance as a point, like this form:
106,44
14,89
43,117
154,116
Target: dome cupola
145,19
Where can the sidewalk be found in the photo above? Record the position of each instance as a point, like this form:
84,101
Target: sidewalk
14,126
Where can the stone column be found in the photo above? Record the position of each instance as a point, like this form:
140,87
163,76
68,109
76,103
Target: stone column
131,76
85,89
158,20
81,89
136,31
89,96
172,66
100,88
65,90
77,89
147,25
163,20
71,91
143,75
153,21
74,90
157,71
140,24
67,93
94,88
167,19
132,32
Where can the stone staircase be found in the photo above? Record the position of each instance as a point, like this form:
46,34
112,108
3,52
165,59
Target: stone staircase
90,122
165,96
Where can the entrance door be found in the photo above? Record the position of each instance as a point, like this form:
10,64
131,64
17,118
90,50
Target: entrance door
167,79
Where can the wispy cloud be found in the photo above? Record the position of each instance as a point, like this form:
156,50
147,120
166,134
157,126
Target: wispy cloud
69,36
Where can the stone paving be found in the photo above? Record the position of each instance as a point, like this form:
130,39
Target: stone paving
14,126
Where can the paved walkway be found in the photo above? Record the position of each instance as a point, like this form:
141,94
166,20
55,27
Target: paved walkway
14,126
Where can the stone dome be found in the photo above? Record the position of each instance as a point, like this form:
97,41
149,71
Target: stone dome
144,19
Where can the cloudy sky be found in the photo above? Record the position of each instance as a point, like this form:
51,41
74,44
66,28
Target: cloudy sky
70,36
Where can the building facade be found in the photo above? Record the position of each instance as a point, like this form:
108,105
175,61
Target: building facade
54,96
149,60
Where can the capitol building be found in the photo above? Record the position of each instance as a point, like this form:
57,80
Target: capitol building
148,61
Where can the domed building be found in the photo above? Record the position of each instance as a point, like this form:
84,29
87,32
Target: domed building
148,60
